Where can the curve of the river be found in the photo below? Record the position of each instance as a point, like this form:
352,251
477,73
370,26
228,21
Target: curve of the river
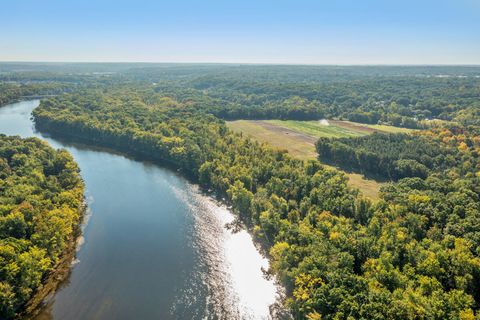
154,246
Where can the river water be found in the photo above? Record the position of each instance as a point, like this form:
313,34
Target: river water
154,247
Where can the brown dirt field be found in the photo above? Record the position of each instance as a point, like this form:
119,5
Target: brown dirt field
298,145
286,131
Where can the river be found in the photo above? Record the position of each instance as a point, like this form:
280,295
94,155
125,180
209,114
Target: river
154,246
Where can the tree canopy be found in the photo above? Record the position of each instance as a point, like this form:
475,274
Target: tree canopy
41,195
414,254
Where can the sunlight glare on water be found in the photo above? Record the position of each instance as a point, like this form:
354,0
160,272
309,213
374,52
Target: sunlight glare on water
155,246
235,274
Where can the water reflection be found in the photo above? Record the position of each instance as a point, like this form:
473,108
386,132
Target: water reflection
155,247
237,286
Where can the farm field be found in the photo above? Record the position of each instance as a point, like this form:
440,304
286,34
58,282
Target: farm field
336,128
299,137
374,127
298,144
319,129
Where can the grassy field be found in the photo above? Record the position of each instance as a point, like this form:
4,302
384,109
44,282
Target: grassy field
377,127
336,128
316,129
298,138
298,145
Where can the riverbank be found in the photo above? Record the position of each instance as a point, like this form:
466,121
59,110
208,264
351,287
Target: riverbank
155,246
42,200
59,273
237,225
68,137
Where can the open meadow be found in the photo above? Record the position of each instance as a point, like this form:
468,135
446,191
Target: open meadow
299,137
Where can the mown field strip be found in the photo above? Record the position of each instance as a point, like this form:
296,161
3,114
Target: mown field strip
300,144
316,129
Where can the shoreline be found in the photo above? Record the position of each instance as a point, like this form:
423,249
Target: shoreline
278,310
59,273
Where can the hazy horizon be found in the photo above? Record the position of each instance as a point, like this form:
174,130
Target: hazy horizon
244,63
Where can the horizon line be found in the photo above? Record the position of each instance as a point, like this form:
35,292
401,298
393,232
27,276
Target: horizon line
251,63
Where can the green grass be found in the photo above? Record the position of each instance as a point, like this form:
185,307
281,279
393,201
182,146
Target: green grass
368,187
389,129
336,129
302,146
317,130
439,123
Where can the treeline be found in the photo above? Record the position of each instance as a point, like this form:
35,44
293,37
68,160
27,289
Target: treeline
414,254
41,195
388,156
12,92
397,156
396,96
400,96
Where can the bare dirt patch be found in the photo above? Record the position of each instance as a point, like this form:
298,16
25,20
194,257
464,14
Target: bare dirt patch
286,131
299,145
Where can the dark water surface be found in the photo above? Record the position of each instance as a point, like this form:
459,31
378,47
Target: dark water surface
154,247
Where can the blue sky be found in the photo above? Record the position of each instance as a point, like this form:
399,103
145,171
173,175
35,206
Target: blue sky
246,31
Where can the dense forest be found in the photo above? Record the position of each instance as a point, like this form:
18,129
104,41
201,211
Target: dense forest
396,156
407,102
407,97
41,196
12,92
413,254
401,96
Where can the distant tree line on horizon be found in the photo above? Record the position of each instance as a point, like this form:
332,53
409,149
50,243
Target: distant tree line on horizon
413,254
400,96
